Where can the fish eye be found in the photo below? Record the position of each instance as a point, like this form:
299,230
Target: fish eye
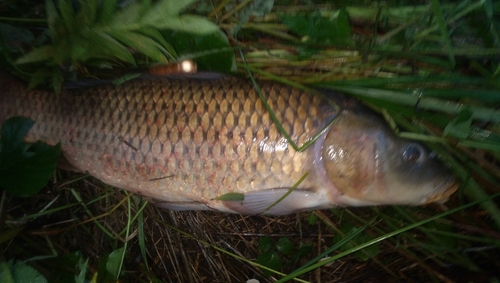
412,153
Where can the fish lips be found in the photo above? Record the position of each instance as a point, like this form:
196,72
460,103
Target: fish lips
444,191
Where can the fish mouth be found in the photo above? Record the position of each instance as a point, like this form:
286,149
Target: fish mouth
441,196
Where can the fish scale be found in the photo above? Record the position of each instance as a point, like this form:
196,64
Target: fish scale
202,137
184,142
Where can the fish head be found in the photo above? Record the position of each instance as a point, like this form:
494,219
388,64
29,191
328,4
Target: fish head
370,165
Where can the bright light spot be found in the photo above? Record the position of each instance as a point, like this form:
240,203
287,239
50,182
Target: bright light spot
188,66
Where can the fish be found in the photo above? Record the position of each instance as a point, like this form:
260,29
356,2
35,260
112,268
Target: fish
209,143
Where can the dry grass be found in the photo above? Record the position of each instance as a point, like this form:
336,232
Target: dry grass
214,247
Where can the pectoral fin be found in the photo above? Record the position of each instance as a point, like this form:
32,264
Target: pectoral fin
264,202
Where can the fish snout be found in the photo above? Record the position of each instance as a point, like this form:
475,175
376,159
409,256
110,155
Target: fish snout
444,191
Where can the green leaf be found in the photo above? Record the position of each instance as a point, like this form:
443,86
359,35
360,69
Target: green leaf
10,233
158,37
24,168
12,133
39,77
312,219
101,45
300,253
88,12
82,266
10,34
142,44
20,272
187,23
68,15
284,246
30,173
265,244
318,29
114,262
5,273
125,78
63,46
165,9
270,259
128,15
460,127
107,10
211,52
57,80
445,37
42,53
231,197
52,16
70,267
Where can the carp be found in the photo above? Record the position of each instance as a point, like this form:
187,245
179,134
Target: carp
186,142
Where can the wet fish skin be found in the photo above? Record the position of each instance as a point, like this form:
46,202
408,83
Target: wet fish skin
185,142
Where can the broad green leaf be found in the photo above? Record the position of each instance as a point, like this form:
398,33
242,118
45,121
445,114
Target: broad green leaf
460,127
24,168
29,173
312,219
318,29
270,259
68,15
143,44
70,267
186,23
19,272
42,53
265,244
114,262
102,273
5,273
82,266
165,9
300,253
13,132
284,246
231,197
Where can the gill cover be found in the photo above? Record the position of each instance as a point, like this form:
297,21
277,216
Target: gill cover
369,164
